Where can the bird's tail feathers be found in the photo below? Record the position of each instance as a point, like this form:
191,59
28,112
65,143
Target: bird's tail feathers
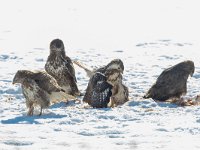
56,97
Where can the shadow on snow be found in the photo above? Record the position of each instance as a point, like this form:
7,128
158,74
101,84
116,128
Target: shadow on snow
31,119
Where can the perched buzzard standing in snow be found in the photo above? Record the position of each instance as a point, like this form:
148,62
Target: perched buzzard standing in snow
172,83
61,68
39,88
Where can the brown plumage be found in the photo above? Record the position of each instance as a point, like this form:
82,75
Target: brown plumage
114,64
61,68
39,88
172,83
112,80
120,92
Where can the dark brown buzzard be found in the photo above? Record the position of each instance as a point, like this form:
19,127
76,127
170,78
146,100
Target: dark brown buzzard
172,83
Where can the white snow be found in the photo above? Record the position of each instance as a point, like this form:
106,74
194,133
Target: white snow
148,36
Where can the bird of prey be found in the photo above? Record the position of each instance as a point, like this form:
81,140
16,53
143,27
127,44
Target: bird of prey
172,83
115,64
106,90
39,88
61,68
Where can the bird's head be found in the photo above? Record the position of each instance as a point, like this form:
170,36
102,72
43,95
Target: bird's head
116,64
57,47
189,67
113,76
20,76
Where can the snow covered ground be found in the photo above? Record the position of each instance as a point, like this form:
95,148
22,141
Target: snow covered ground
148,36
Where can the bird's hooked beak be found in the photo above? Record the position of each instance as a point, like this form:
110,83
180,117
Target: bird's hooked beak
13,83
191,74
121,71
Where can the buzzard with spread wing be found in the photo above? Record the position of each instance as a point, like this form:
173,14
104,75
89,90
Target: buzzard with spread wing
39,88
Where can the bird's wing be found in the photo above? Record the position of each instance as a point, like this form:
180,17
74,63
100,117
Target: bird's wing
49,84
101,69
102,86
97,77
46,82
69,68
172,82
101,94
168,77
126,92
56,97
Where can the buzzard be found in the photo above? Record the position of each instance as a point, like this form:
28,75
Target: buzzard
106,89
172,83
61,68
39,88
114,64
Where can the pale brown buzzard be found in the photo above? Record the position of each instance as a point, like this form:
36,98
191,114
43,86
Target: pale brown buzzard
39,88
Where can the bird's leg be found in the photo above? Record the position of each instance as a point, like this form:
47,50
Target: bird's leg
40,111
30,111
111,103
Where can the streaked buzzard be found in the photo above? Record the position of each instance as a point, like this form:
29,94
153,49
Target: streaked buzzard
61,68
39,88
